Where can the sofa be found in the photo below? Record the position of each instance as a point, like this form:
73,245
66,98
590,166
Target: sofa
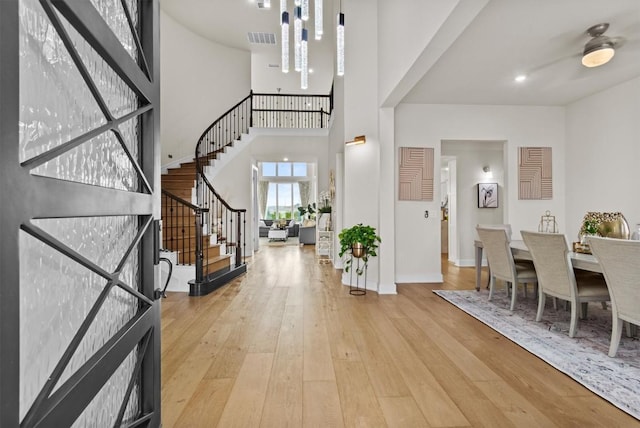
293,228
263,228
264,225
307,235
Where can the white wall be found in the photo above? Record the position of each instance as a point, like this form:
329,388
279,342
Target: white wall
362,162
603,155
417,240
405,29
200,80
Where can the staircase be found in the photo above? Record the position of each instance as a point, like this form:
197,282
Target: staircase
200,226
180,222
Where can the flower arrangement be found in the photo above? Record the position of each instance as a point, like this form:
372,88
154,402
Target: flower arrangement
325,202
590,227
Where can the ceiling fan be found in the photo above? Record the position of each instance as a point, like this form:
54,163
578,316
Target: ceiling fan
600,49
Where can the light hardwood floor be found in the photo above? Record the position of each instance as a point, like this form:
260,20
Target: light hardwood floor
287,346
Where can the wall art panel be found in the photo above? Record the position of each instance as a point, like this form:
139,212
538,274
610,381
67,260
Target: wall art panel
535,173
416,174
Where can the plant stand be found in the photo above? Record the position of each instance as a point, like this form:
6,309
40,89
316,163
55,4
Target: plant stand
356,290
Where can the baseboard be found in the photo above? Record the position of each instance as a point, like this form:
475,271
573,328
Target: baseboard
467,262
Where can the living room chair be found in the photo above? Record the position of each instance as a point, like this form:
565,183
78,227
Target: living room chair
620,262
556,278
307,235
502,265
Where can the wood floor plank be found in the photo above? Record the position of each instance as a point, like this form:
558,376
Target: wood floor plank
246,400
318,364
386,379
205,405
321,405
360,407
402,412
435,404
283,404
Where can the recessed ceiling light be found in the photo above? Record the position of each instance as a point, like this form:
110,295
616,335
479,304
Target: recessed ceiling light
285,159
311,70
520,78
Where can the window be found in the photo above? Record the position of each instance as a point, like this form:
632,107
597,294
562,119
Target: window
268,169
283,201
283,197
299,169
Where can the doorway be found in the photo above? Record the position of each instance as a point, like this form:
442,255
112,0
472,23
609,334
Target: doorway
471,163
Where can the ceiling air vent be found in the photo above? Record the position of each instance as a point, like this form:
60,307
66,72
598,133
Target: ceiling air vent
257,38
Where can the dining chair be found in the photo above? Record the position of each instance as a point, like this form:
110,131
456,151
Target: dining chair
502,266
620,262
552,260
507,228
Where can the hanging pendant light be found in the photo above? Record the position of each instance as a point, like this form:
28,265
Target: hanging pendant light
318,19
305,10
340,45
297,2
283,6
297,34
304,53
285,42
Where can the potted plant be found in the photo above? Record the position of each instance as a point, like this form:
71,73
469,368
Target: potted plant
309,211
361,242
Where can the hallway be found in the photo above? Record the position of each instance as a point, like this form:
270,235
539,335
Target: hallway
286,345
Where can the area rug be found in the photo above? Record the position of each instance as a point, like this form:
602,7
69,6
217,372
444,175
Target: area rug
292,241
583,358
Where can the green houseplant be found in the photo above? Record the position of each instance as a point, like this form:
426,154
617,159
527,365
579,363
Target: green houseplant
309,211
361,242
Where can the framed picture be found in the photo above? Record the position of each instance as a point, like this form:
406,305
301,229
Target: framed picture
487,195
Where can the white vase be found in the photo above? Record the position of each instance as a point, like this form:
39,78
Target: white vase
324,221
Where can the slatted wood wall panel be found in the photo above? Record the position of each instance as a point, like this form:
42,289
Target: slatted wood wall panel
416,174
535,173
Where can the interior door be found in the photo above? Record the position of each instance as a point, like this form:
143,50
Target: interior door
79,121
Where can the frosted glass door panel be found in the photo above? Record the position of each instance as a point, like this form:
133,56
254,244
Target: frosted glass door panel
55,104
56,295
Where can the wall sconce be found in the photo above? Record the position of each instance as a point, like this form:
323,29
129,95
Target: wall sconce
360,139
487,172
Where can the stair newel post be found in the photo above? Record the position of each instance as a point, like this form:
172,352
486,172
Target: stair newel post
199,237
251,108
238,239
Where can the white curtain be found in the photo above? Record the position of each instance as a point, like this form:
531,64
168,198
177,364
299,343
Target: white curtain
305,192
263,192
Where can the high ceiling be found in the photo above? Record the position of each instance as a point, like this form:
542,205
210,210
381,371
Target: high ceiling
540,38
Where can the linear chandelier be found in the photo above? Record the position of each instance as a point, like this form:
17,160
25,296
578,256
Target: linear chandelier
301,14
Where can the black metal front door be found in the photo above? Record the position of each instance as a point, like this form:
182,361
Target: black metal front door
79,121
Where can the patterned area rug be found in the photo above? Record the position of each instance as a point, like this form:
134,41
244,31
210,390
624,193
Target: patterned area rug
583,358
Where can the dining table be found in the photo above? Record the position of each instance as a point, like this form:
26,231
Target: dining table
519,249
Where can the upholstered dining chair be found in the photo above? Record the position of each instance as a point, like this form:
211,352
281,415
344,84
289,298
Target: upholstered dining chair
551,258
507,228
502,265
620,262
